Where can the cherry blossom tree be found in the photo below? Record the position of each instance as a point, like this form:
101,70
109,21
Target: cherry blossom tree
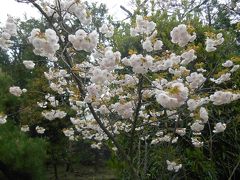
153,97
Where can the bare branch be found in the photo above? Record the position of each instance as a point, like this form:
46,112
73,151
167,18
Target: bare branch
127,11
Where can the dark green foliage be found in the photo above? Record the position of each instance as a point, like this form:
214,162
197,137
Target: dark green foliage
21,154
198,165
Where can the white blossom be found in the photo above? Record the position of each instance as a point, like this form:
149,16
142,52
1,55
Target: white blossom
195,79
188,57
147,45
181,131
25,128
15,90
110,59
196,143
107,29
181,36
203,114
9,30
221,97
68,132
29,64
219,127
228,63
223,78
96,145
212,43
75,121
83,41
139,63
99,76
124,109
53,114
173,166
195,103
3,119
42,104
104,110
45,44
197,126
79,9
40,130
143,26
235,68
175,98
166,63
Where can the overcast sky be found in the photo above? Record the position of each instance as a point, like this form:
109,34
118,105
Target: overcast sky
18,9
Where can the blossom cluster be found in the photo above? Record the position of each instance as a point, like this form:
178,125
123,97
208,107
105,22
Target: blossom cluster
173,166
29,64
57,79
9,30
143,26
54,114
84,41
45,44
222,97
69,8
17,91
152,43
139,63
107,30
79,9
174,97
212,43
181,36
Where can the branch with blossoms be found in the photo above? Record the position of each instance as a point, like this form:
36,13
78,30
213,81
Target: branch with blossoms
157,93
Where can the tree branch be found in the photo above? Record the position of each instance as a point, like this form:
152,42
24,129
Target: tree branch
127,11
136,114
